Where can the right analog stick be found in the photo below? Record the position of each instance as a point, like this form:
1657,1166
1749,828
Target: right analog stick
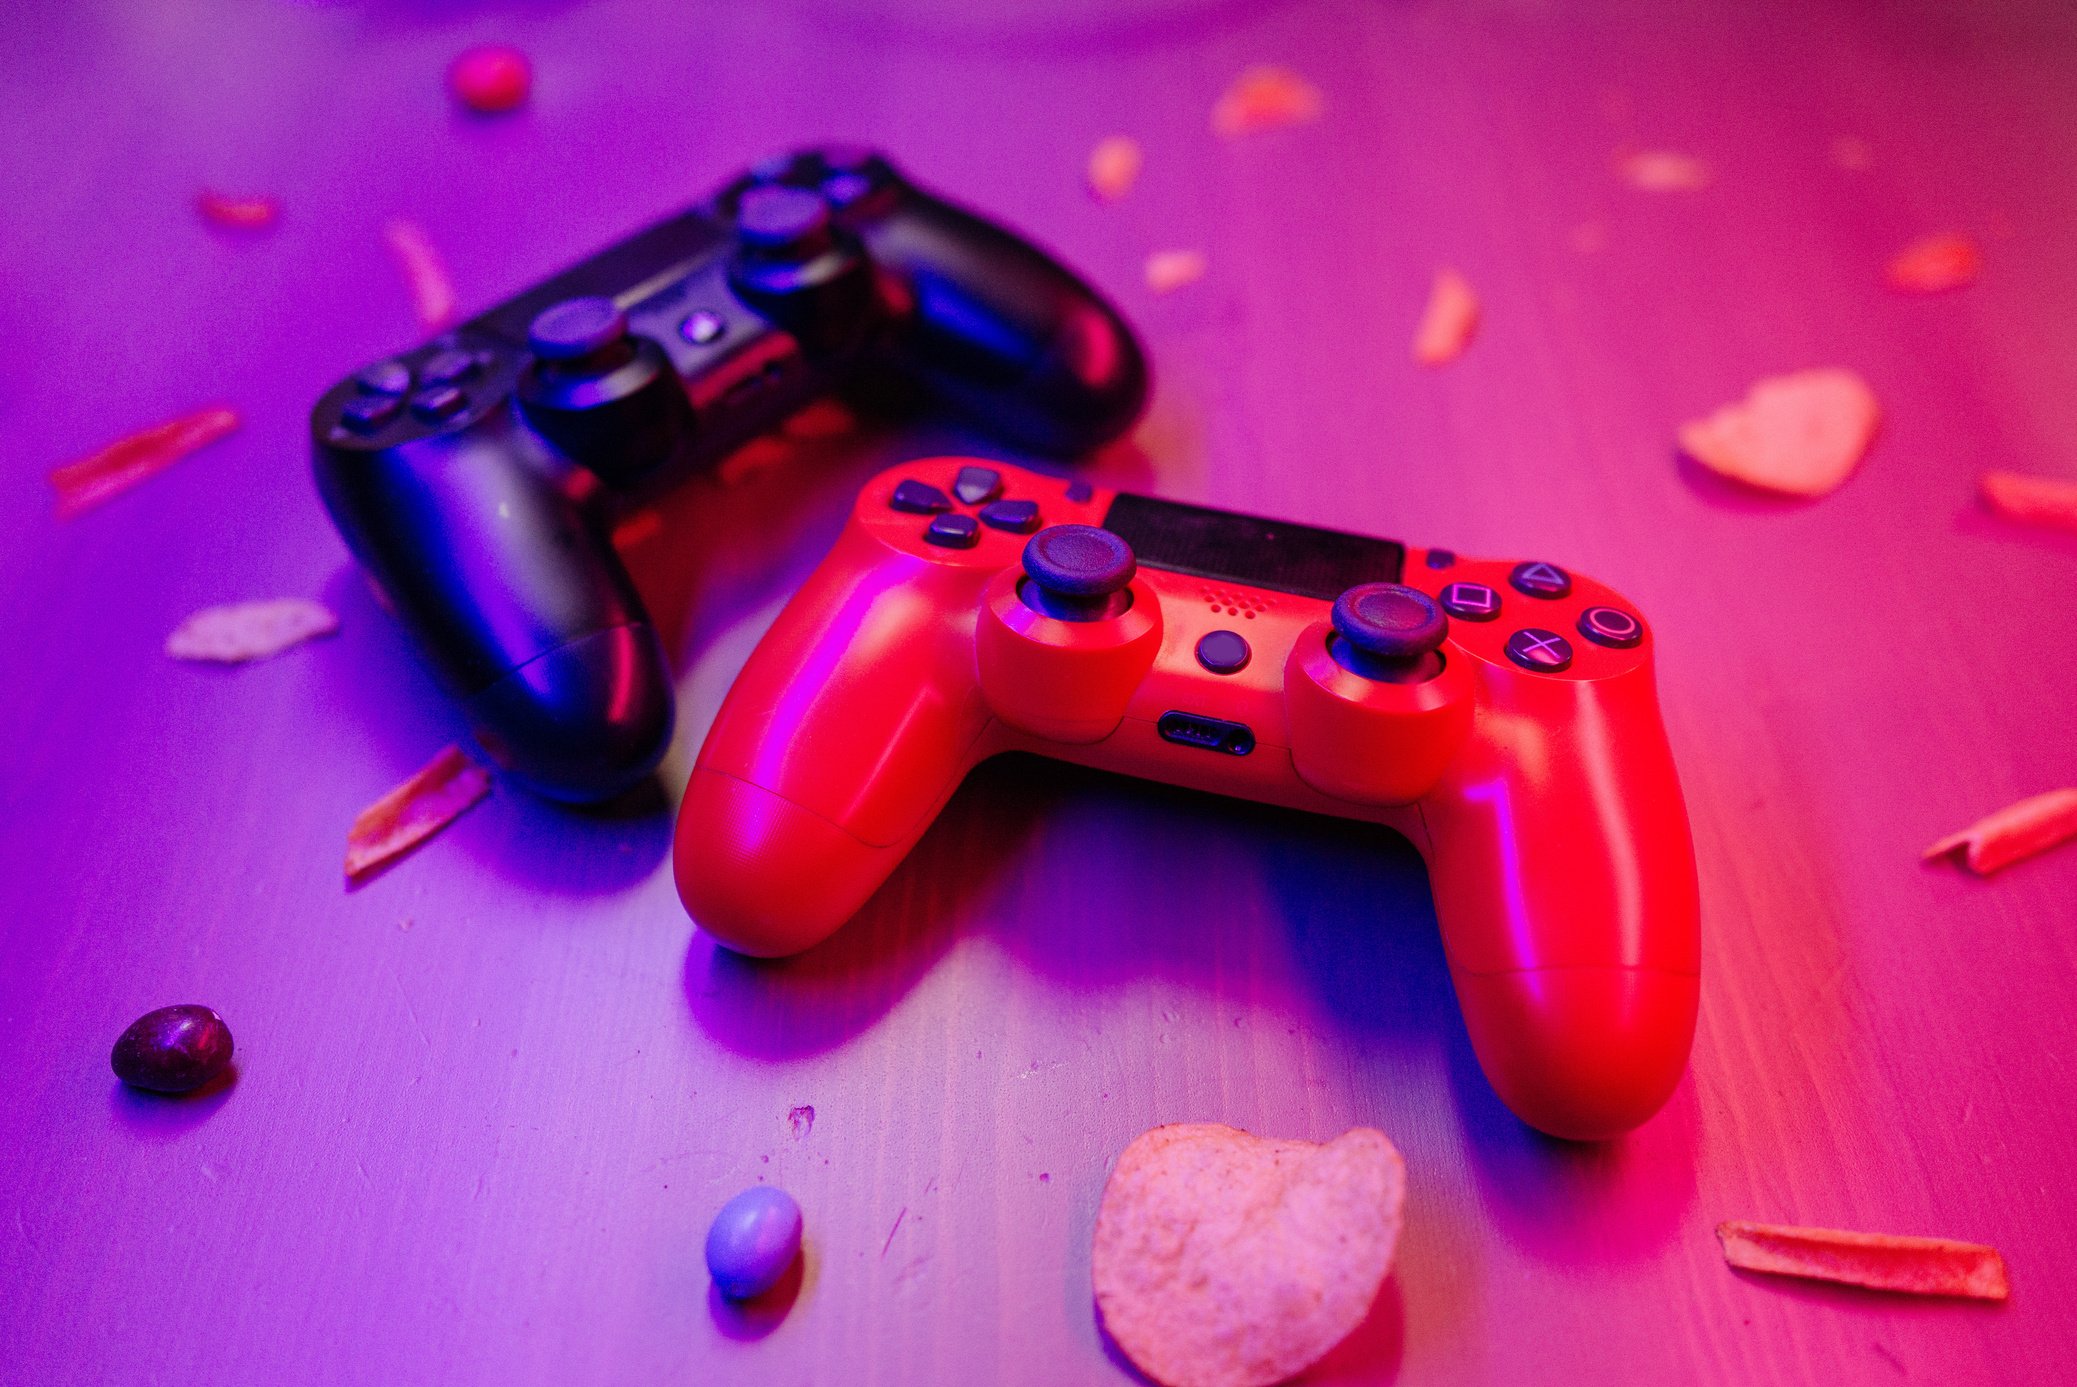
1078,573
1388,632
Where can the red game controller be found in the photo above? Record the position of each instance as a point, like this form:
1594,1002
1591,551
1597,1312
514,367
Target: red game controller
1500,715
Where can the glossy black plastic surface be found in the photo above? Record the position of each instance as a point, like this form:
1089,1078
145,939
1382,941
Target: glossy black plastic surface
474,478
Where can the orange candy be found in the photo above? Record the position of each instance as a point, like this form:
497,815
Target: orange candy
1448,323
413,812
122,464
1265,98
1935,264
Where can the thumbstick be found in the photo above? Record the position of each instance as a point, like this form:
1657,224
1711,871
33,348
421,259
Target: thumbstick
1077,573
576,328
783,223
1388,632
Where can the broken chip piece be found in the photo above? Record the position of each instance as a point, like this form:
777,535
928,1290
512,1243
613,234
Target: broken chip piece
491,78
1223,1259
2049,501
2014,832
432,293
1799,434
238,213
1265,98
1935,264
1169,270
244,631
414,811
1879,1261
1114,167
1449,321
122,464
1662,171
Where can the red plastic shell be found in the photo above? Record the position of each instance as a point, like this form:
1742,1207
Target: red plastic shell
1546,805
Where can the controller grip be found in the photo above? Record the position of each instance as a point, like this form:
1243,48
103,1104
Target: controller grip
848,729
1007,334
1564,882
514,599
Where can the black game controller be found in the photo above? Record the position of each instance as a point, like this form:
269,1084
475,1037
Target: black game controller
474,477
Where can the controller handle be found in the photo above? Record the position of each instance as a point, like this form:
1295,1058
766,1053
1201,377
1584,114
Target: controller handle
848,729
527,618
1564,882
1004,332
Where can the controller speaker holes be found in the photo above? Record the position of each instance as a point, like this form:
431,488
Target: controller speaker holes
1240,604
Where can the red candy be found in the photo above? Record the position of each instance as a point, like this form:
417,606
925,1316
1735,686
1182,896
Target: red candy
491,78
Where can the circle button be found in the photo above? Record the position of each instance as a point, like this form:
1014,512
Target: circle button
1610,626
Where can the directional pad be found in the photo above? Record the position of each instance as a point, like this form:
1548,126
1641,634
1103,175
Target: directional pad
919,498
953,532
1546,652
1538,579
977,485
1018,517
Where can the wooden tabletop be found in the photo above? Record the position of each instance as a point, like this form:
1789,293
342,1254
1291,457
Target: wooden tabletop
487,1104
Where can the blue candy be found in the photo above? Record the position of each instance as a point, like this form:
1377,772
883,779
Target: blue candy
754,1240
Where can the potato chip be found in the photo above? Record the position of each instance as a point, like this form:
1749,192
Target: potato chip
1663,171
244,631
1170,270
1114,167
2048,501
2014,832
238,213
1935,264
414,811
432,293
1879,1261
491,78
1448,322
1265,98
1799,434
1223,1259
122,464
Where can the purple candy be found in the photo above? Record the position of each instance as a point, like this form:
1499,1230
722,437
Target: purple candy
753,1241
173,1050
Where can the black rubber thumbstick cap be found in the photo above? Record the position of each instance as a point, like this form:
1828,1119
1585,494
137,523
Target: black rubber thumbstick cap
1079,561
1390,621
576,328
776,219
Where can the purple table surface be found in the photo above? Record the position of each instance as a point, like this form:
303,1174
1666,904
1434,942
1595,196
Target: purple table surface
487,1103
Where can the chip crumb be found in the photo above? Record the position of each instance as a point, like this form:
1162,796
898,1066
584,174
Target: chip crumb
1223,1259
2015,832
1449,321
106,474
1935,264
1114,167
425,274
2050,501
1265,97
237,213
1589,238
1170,270
413,812
1663,171
1878,1261
637,529
1800,434
244,631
